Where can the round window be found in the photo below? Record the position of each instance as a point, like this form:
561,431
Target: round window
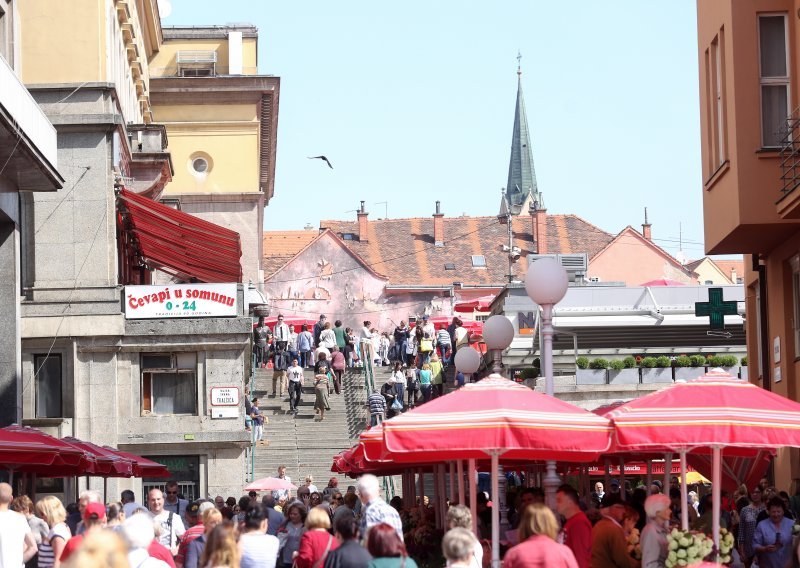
200,165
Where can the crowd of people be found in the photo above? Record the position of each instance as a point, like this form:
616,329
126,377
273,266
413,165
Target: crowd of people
358,529
418,354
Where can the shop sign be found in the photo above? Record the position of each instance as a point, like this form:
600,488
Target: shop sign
224,402
180,301
527,323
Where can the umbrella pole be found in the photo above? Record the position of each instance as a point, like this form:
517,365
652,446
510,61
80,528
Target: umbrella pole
437,496
473,495
649,475
607,475
622,479
684,496
105,490
495,510
716,481
452,469
667,471
460,473
443,493
412,494
421,491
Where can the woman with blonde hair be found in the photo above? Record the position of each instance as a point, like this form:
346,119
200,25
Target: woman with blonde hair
100,549
317,541
196,548
24,506
221,550
51,511
538,547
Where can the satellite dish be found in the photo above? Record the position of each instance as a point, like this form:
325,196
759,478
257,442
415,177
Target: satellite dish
164,8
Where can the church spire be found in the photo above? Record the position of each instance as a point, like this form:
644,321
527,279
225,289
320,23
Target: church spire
521,188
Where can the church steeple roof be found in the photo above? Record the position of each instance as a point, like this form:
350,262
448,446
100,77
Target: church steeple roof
521,186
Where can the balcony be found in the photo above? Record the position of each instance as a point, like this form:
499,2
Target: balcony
28,142
788,203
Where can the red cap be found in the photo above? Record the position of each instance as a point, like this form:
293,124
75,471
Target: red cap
97,509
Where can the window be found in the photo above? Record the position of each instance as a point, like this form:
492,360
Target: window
169,383
708,283
740,280
716,152
197,72
449,266
47,370
200,165
348,236
478,261
774,72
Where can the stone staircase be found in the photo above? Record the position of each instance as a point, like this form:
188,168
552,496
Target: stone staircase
301,442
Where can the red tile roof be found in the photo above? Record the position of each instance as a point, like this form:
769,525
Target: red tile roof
281,246
403,249
727,266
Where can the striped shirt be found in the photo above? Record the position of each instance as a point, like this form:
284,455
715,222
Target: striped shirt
46,555
377,404
379,511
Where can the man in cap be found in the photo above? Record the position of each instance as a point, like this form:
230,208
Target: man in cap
318,327
194,513
427,327
609,547
94,518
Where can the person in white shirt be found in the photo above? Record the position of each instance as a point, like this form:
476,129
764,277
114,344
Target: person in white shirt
295,374
427,327
279,494
367,349
460,517
17,544
172,528
327,338
399,376
173,503
139,532
281,333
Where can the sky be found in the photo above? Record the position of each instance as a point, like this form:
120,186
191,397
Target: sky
413,102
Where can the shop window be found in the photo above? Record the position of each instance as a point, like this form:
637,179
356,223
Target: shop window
48,381
169,383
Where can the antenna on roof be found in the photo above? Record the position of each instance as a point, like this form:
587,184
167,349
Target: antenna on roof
386,204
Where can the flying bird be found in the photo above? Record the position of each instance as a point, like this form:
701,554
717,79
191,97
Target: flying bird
321,158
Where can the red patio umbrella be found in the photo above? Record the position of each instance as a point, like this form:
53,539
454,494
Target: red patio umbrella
662,282
715,410
269,484
294,322
17,449
142,467
495,417
69,461
108,462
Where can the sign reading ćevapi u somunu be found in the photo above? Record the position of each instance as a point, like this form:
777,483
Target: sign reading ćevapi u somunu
180,301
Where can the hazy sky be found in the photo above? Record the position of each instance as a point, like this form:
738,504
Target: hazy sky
413,102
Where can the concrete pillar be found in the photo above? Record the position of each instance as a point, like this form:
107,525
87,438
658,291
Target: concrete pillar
10,343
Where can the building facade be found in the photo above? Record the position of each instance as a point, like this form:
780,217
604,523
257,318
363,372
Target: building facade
221,117
751,190
28,164
92,366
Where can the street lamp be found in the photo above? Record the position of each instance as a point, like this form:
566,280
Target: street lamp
498,333
467,360
546,284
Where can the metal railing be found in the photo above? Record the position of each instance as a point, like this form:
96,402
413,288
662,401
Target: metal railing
790,153
192,56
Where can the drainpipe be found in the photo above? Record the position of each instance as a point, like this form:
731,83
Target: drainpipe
763,313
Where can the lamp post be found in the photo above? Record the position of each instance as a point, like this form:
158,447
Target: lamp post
468,362
498,333
546,284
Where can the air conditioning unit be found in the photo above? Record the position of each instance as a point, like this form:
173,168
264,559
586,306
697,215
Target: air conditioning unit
576,264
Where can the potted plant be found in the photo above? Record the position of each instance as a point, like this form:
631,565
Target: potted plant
657,370
623,373
743,369
592,373
699,361
686,368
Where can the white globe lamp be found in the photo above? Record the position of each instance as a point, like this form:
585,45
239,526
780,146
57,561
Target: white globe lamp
467,360
498,332
546,281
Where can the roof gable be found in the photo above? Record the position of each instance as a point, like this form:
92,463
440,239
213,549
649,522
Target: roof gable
633,233
324,234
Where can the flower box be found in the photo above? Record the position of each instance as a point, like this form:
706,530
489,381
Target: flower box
656,375
591,377
623,377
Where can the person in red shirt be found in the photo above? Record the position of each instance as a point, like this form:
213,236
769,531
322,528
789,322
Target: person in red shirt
316,542
194,514
577,531
94,518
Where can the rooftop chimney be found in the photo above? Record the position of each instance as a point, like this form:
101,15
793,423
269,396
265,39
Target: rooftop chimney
362,224
438,226
539,227
646,227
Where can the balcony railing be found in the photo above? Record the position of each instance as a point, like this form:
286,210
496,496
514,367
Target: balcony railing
790,154
196,57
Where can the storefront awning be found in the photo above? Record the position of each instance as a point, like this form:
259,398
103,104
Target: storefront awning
178,243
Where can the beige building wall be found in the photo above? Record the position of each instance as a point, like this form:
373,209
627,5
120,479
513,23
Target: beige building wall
165,63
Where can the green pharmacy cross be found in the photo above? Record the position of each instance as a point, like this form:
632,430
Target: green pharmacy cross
715,309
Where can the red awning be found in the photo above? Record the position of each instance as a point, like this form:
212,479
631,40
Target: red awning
178,243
